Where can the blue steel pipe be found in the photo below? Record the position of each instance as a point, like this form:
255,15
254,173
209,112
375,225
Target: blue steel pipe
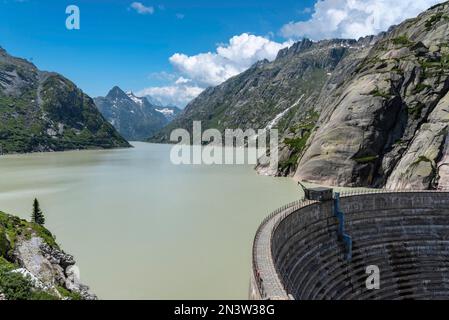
347,240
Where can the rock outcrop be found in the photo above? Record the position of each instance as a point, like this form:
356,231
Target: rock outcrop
43,111
30,253
389,121
50,266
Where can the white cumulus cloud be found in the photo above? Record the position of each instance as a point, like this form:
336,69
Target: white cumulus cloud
141,8
197,72
354,18
182,80
177,94
213,68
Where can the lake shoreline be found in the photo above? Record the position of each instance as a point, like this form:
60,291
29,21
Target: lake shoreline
157,215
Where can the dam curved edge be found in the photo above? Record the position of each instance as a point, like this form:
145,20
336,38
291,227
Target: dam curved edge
297,253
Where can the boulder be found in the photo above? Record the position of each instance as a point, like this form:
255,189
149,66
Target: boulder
48,267
30,257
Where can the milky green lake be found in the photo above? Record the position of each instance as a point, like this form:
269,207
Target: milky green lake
142,228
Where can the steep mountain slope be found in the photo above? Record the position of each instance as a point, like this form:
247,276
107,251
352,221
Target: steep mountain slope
134,117
297,129
253,99
372,112
43,111
388,124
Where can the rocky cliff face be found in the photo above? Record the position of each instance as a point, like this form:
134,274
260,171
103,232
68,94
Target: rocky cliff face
32,266
269,93
297,129
43,111
372,112
387,124
134,117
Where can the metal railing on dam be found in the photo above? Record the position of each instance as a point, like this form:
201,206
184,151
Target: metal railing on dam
295,249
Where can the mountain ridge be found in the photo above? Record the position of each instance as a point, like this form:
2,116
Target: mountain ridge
254,97
136,118
44,111
372,114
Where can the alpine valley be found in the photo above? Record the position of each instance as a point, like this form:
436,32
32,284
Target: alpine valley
371,112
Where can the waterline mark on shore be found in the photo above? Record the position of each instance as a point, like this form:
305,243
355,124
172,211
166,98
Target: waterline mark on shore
236,147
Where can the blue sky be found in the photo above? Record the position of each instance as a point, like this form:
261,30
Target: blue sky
169,48
116,45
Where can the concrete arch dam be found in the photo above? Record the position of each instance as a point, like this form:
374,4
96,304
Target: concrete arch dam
297,253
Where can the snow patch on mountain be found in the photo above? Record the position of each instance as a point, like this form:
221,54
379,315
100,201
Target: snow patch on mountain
166,111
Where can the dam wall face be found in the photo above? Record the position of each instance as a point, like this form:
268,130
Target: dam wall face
297,253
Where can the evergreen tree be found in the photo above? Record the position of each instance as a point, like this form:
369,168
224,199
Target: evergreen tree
37,215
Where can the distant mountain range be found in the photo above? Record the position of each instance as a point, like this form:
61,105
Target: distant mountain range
372,112
136,118
43,111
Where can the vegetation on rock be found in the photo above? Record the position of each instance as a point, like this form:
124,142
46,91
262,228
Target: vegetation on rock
42,111
356,144
17,283
37,216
